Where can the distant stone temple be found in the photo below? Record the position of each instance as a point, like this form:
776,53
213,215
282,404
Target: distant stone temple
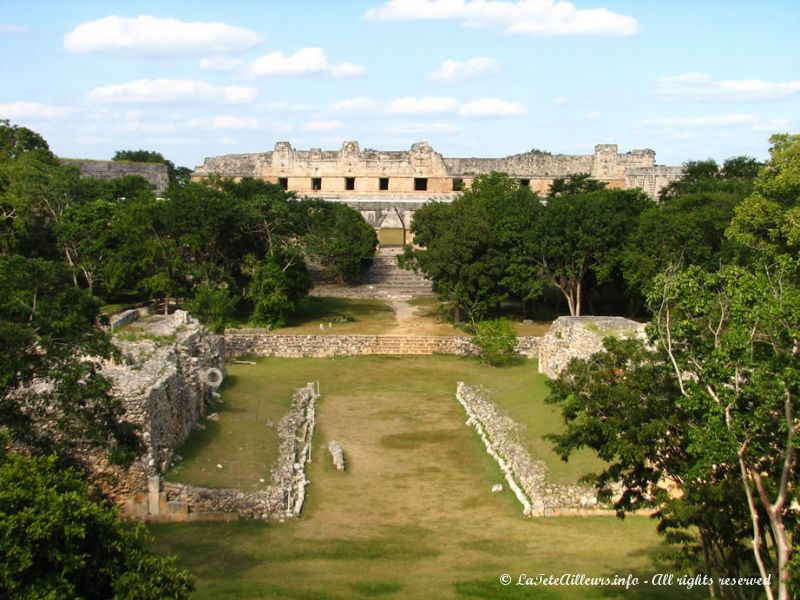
155,173
387,186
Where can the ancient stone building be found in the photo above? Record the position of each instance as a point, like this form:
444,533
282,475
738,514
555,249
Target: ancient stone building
387,187
155,174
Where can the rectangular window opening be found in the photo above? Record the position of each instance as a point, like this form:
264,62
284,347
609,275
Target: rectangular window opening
350,183
420,184
316,184
525,182
283,182
383,184
458,184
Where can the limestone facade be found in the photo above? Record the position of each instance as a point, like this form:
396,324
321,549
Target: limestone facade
155,174
259,342
580,337
421,172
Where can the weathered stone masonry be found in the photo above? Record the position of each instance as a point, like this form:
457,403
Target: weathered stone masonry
164,392
155,174
285,495
526,478
258,342
354,174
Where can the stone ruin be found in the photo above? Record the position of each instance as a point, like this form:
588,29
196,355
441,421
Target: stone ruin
172,366
282,499
580,337
526,477
169,371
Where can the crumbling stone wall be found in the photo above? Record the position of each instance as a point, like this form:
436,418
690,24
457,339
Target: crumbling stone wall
285,495
526,477
580,337
325,173
259,342
154,173
161,380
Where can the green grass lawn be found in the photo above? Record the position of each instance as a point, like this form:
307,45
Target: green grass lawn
413,515
391,236
347,317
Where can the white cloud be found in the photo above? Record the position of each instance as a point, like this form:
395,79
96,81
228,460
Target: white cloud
227,122
276,106
33,110
427,105
220,63
304,62
529,17
492,107
146,35
707,121
359,104
697,86
451,71
592,115
168,91
422,128
324,125
720,122
13,29
560,100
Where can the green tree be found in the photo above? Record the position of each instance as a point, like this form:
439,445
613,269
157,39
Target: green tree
337,238
585,234
688,229
54,397
622,404
732,337
56,541
177,175
275,289
466,247
577,183
496,340
214,307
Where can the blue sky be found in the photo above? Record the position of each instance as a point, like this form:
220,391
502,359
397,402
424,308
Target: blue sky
690,80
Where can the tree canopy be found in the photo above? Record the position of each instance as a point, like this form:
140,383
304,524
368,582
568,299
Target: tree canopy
57,541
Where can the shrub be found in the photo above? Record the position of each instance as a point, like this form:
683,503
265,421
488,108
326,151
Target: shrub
496,340
56,542
213,306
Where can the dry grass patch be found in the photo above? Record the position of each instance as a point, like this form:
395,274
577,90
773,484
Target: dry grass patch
413,516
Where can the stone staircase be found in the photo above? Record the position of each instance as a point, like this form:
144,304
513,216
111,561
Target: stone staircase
385,280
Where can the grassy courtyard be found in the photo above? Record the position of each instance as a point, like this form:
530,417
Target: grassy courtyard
413,516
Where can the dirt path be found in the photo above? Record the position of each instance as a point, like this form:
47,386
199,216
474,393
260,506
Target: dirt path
414,320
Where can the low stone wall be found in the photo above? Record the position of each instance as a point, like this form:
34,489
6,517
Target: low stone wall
526,477
580,337
258,342
285,495
126,317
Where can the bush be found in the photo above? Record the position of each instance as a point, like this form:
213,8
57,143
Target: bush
496,340
275,292
213,306
56,542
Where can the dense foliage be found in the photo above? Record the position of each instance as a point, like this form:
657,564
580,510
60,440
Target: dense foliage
56,541
69,244
498,240
712,406
496,340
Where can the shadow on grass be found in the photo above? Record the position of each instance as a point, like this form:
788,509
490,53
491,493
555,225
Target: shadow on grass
323,308
200,439
236,590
